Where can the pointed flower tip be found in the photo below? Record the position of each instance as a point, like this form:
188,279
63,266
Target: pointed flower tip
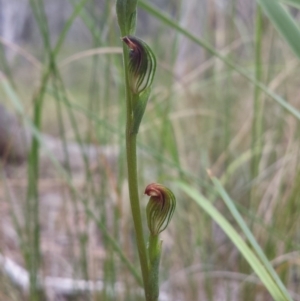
153,189
128,41
142,64
160,207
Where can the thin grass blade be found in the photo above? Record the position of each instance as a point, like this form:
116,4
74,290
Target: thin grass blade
283,22
151,9
261,255
17,103
258,267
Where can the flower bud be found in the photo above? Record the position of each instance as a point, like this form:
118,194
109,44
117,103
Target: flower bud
142,64
160,207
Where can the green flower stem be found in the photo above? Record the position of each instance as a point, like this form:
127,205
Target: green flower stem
154,252
258,105
132,178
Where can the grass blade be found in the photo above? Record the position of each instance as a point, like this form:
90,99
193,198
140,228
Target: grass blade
230,205
174,24
17,104
283,22
258,103
258,267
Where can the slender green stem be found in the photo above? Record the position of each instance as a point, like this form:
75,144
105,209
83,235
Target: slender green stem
257,124
33,224
154,252
32,253
132,178
258,106
134,201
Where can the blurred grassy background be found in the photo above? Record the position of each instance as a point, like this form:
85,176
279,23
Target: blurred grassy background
202,115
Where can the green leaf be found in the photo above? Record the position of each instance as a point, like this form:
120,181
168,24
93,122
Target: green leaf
258,267
248,234
283,22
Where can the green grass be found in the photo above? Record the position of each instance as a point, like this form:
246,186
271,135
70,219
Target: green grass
235,111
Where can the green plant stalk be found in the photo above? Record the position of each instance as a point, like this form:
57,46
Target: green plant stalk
154,252
33,229
66,176
32,253
257,123
132,176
